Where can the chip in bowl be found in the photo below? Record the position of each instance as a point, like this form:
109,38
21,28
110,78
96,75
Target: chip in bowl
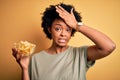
25,48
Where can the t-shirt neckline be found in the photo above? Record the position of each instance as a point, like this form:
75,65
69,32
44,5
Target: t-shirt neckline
58,53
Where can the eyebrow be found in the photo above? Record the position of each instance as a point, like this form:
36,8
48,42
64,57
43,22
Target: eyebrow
58,24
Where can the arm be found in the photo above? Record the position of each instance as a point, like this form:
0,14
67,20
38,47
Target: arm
103,45
23,61
25,75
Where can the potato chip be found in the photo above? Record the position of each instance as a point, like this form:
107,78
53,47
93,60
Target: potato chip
25,48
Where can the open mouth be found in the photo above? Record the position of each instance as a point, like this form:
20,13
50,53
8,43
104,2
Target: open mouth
62,40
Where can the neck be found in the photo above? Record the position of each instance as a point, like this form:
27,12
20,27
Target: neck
55,49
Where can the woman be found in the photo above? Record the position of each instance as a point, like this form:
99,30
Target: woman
61,61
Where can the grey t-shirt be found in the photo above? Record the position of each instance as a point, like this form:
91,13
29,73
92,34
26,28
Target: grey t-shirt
71,64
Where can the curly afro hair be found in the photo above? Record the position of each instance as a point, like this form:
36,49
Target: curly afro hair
50,15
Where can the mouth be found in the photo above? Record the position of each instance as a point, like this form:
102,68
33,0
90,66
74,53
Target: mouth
62,40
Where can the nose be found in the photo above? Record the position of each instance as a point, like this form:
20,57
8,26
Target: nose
63,33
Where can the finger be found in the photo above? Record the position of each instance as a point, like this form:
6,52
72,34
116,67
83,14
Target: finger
18,57
62,9
62,12
14,52
13,49
58,10
72,11
62,16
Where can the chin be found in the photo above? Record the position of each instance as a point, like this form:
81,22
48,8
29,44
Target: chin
62,45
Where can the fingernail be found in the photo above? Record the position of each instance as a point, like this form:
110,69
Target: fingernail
56,6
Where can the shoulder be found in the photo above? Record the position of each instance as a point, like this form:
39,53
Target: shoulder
80,49
37,55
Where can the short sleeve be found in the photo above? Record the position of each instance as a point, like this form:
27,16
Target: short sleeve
88,63
29,68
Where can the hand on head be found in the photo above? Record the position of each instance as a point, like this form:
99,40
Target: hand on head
69,18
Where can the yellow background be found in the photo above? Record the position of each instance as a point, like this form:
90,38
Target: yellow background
21,20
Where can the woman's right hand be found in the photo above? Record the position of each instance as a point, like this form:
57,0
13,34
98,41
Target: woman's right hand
23,61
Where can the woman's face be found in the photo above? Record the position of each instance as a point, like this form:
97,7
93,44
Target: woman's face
61,32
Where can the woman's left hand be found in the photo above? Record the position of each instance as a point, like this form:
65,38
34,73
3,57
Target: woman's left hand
69,18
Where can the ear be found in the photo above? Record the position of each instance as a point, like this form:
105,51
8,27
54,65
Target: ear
49,29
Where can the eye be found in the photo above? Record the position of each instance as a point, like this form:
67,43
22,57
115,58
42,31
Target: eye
58,29
68,30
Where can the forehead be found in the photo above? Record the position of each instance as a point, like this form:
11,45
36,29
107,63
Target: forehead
59,22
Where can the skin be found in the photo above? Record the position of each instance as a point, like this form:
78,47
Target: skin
61,34
103,44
